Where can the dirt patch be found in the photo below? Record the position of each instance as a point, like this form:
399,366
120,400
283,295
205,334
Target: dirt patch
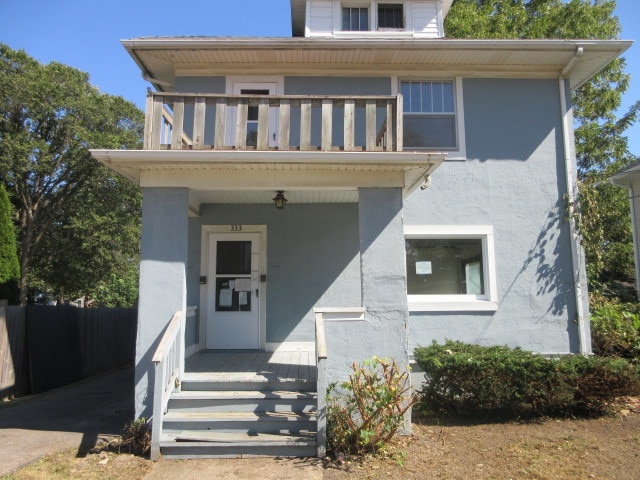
605,448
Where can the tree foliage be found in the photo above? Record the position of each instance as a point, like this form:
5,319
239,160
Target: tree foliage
9,266
601,146
50,116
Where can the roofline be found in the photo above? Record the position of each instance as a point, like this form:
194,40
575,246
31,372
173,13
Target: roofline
268,43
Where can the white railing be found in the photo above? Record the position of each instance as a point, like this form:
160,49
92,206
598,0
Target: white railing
166,362
183,121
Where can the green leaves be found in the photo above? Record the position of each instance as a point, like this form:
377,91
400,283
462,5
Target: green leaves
76,219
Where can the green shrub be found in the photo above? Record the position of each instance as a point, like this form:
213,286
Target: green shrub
364,413
471,379
615,328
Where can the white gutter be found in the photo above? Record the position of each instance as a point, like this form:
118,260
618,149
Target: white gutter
572,197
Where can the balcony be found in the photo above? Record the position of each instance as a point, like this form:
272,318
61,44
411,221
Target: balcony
182,121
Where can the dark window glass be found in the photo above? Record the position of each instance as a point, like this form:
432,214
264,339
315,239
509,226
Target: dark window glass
233,258
390,15
444,266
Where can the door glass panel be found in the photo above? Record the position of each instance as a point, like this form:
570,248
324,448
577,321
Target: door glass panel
232,294
233,258
252,116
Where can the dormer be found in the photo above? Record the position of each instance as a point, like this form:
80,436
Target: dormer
369,18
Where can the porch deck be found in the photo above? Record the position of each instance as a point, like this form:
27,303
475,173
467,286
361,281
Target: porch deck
251,366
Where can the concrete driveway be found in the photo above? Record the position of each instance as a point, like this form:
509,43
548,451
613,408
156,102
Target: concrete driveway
75,416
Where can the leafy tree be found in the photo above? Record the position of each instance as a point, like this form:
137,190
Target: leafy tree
50,115
9,266
601,147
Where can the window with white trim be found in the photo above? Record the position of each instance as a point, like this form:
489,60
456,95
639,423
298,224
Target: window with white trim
450,267
430,114
355,19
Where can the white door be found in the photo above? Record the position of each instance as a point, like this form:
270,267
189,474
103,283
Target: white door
245,88
233,313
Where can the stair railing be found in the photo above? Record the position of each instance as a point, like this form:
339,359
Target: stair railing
166,362
321,385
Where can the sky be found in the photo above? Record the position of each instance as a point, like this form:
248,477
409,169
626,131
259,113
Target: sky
86,34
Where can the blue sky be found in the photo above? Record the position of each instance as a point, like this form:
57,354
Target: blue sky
85,34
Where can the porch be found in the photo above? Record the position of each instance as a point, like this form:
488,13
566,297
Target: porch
251,366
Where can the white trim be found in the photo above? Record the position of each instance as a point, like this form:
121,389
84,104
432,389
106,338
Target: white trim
341,314
451,303
206,230
290,347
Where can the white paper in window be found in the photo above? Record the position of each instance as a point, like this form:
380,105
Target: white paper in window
243,284
423,268
242,298
226,297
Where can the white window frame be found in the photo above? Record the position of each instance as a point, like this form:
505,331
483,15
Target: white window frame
458,302
460,151
344,5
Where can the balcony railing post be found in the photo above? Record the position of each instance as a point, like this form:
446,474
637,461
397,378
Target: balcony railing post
398,124
178,123
327,123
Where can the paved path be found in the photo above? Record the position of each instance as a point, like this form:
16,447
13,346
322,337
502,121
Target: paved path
75,416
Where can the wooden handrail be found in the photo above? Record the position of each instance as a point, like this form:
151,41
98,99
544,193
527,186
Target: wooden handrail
321,342
169,336
166,360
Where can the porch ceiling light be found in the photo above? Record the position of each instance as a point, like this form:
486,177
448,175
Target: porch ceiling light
279,199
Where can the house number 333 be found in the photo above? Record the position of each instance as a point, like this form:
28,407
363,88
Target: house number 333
236,228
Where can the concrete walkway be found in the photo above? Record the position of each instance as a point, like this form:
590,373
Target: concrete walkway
75,416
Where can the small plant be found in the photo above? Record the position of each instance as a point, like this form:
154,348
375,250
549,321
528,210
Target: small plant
365,412
136,437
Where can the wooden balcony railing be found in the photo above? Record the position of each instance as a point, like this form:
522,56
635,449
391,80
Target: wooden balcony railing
181,121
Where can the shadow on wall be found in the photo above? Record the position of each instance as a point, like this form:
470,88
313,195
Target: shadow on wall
551,257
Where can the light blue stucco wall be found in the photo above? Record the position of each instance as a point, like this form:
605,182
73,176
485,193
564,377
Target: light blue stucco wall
312,260
513,179
163,260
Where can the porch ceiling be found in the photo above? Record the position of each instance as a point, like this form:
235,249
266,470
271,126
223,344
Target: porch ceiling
164,58
238,176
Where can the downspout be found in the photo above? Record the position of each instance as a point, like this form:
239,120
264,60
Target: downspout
572,196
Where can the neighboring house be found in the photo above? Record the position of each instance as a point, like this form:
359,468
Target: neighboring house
425,182
629,178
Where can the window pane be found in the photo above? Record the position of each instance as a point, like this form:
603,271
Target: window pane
416,97
233,258
430,131
390,16
437,98
355,19
444,266
405,90
364,19
427,98
447,97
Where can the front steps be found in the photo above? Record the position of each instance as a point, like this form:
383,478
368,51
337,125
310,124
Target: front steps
233,416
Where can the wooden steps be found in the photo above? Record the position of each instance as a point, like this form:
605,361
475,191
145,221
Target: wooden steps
240,415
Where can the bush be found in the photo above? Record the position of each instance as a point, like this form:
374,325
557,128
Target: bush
615,328
136,437
364,413
471,379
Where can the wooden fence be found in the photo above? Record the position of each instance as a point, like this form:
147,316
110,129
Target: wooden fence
47,347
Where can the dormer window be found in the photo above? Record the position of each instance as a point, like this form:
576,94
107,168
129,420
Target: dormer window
390,16
355,19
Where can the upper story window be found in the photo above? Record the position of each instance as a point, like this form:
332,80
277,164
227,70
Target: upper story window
390,16
355,19
429,114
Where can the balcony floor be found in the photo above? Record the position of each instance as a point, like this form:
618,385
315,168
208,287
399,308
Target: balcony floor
251,366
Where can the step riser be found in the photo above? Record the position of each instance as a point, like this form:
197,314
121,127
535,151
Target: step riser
246,405
193,385
191,451
281,427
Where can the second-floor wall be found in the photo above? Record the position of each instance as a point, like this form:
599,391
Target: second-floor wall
373,18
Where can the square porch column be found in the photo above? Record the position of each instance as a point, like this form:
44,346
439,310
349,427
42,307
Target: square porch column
384,278
163,262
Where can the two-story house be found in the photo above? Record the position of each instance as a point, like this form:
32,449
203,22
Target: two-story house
361,188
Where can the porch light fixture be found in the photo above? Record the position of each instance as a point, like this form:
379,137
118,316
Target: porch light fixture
279,199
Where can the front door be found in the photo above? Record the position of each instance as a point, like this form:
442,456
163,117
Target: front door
233,313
